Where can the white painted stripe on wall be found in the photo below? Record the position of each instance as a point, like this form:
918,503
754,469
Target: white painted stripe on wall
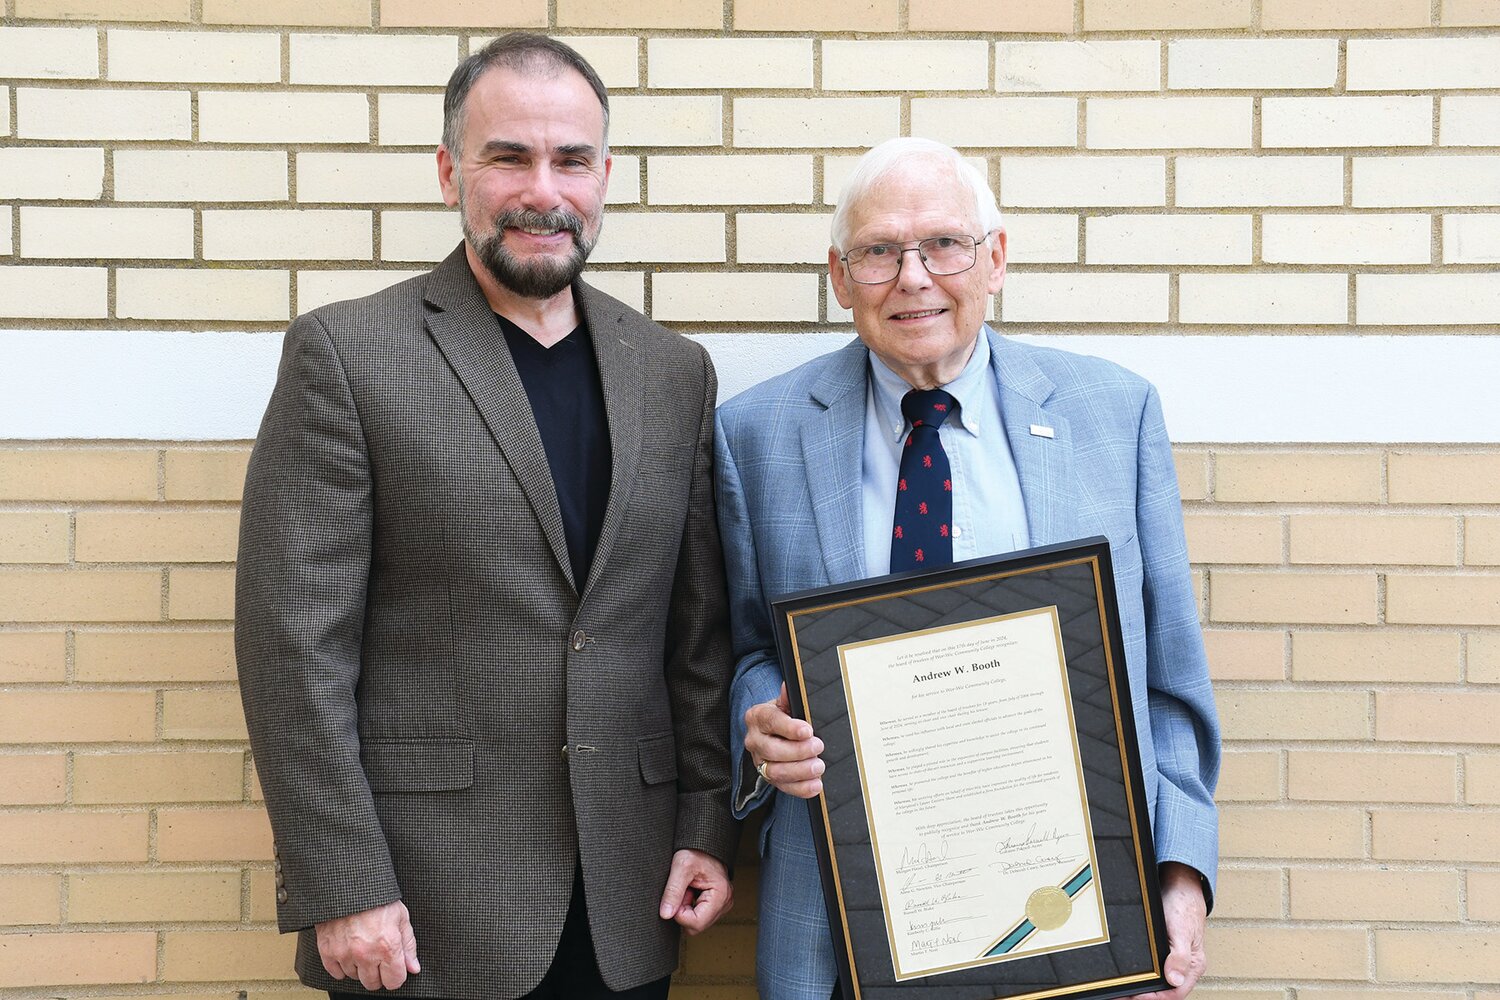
214,385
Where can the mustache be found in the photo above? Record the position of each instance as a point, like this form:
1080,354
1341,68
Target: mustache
518,218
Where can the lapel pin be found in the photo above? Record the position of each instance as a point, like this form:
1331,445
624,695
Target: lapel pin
1037,430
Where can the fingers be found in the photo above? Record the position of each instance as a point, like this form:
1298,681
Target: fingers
675,894
409,944
786,746
377,947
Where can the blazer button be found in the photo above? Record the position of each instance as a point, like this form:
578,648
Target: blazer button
281,895
280,881
580,638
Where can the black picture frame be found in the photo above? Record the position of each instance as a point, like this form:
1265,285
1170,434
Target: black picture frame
1077,579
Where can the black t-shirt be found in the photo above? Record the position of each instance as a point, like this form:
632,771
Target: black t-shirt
567,400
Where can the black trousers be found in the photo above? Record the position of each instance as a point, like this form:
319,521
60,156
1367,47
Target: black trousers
574,973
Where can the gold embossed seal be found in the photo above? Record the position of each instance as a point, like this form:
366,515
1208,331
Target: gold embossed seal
1049,908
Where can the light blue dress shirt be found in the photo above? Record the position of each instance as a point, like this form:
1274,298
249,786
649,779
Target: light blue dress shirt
989,514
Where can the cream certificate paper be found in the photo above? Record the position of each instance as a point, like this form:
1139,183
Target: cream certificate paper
973,789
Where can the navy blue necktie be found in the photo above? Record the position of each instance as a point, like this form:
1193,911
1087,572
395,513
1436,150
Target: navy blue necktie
922,535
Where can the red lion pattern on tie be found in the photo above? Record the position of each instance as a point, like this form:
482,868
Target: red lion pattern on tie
924,488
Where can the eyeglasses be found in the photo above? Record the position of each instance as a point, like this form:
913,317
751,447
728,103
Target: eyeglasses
878,263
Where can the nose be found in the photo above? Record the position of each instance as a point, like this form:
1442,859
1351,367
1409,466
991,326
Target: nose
541,192
913,275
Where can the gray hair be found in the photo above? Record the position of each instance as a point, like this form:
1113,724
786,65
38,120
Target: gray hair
887,156
523,52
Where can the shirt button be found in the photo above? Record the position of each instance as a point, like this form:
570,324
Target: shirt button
579,639
281,895
958,532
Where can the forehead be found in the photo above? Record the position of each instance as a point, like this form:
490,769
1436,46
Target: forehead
554,100
916,199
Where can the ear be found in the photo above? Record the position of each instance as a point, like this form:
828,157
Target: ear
841,289
997,260
447,178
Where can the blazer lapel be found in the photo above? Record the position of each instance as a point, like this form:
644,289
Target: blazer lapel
1049,483
464,327
620,374
833,453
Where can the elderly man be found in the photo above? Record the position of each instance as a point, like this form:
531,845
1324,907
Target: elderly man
809,465
481,619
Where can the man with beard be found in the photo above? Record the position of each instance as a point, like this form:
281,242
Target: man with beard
481,620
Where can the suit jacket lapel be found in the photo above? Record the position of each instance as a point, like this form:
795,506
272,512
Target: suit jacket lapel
464,327
832,452
620,374
1049,483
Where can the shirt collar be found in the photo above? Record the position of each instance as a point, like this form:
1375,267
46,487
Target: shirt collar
890,387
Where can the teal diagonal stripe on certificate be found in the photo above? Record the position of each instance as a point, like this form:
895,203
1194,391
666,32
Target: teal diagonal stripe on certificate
1026,928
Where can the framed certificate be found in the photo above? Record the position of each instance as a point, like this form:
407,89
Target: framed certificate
982,831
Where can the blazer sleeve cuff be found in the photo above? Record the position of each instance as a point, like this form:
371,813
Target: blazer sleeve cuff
756,682
704,823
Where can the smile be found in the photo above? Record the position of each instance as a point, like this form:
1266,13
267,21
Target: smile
534,231
919,314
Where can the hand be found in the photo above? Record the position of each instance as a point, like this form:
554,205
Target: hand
786,745
377,946
1186,912
698,891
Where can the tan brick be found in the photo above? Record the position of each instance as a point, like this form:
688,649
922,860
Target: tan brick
1292,15
1168,239
1304,993
73,595
1424,957
192,56
367,177
1482,541
106,10
1431,717
657,120
183,293
90,838
78,114
76,959
1443,600
343,13
729,297
420,236
1287,953
1418,477
119,778
213,835
205,475
781,238
263,895
175,536
1435,835
1484,895
155,233
290,117
1034,16
1250,776
50,53
796,122
1411,541
1192,474
1332,598
1484,658
1069,181
1402,657
120,897
1175,15
1297,477
1245,656
85,474
998,121
1248,894
729,63
1237,181
33,538
33,779
227,956
1233,538
819,15
30,899
641,237
1373,894
1252,64
203,715
32,657
1263,298
697,991
1169,122
318,288
44,172
1364,776
1482,779
412,119
200,175
393,60
53,716
1294,715
114,657
638,14
906,64
200,594
464,13
1346,239
1471,13
727,950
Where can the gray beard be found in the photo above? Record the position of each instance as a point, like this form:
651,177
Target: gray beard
536,279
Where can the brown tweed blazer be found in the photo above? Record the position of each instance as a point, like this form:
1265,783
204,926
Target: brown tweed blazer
436,714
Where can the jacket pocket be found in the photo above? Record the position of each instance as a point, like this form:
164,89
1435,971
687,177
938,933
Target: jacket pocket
658,758
418,765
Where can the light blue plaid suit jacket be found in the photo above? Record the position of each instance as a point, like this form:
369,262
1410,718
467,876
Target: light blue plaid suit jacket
788,456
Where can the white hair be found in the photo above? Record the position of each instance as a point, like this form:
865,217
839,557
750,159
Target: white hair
892,153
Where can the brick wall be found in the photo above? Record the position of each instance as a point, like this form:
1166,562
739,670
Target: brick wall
1320,179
